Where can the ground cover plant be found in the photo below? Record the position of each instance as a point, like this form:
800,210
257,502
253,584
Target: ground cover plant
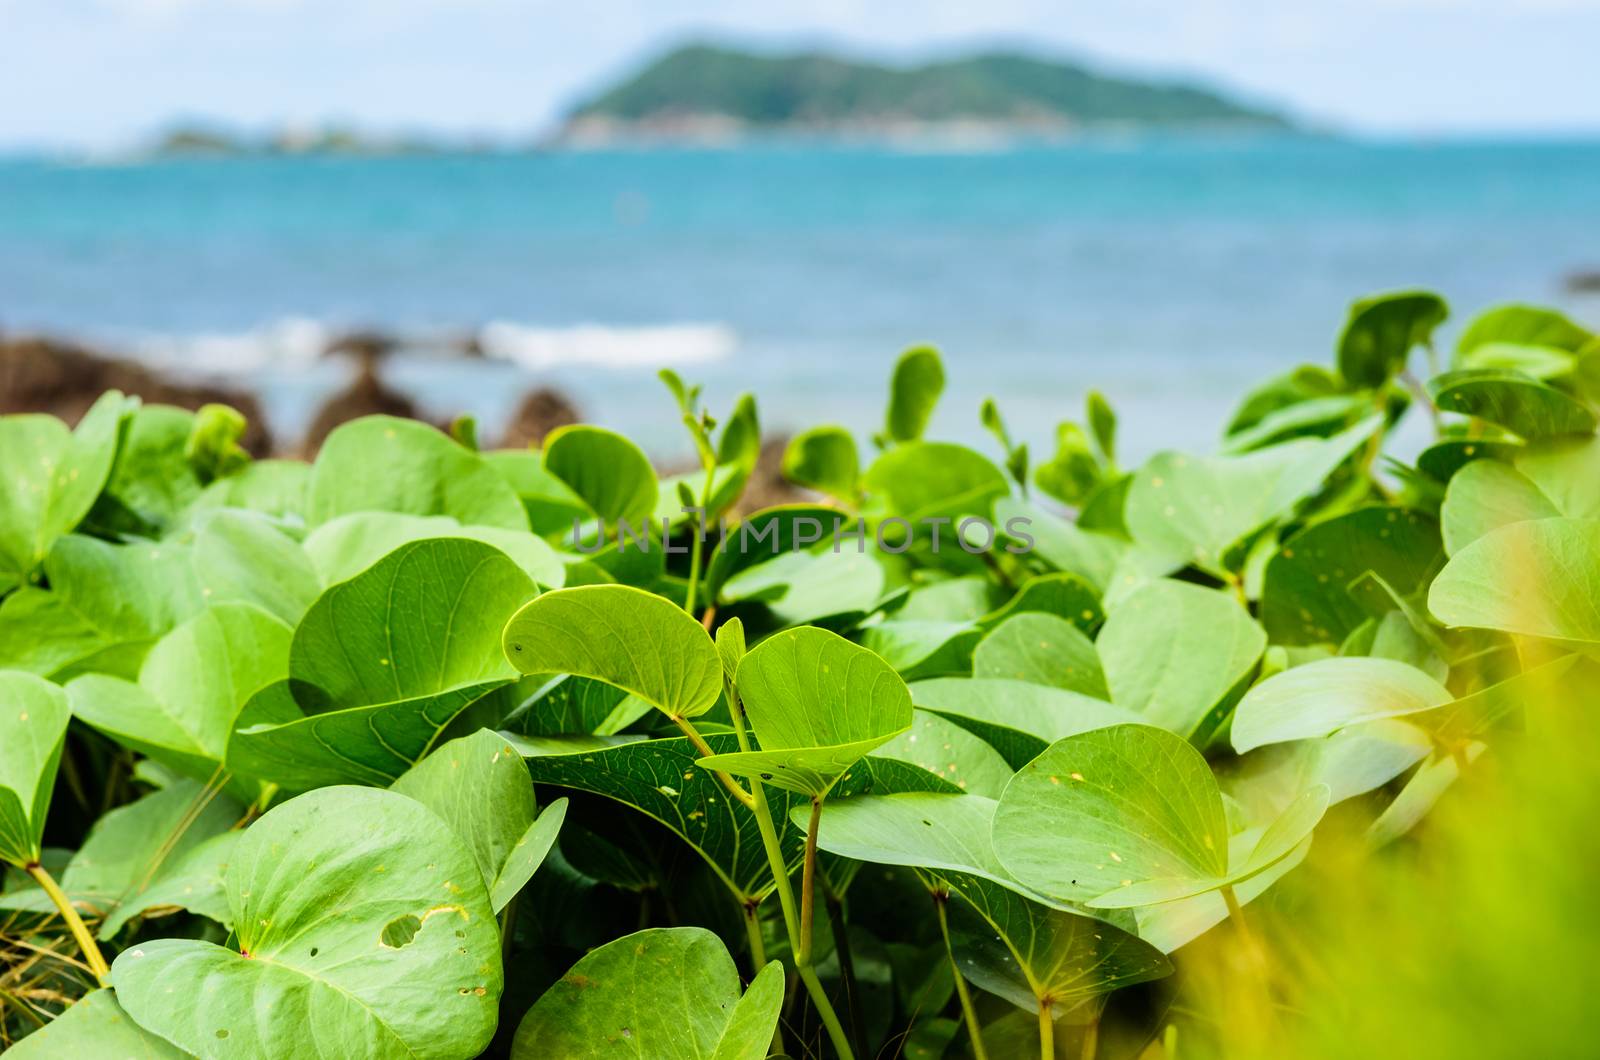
421,751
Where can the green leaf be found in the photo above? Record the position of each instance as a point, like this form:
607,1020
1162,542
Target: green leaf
798,588
950,752
1173,652
1130,815
481,788
50,480
1381,332
94,1026
1033,951
933,480
1041,649
344,547
665,993
243,558
1305,594
550,504
362,926
823,459
1525,324
611,474
385,464
659,779
817,704
914,390
191,688
1070,549
381,664
1015,718
35,716
212,448
1103,426
1486,495
152,481
1196,509
769,533
623,636
105,606
1320,698
1541,362
1538,578
1519,403
271,487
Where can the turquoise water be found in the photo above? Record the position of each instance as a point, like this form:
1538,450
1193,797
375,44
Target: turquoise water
1167,273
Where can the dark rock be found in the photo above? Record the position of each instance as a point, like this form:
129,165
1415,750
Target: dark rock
541,411
45,375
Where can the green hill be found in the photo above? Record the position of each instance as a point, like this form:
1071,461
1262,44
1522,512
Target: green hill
703,89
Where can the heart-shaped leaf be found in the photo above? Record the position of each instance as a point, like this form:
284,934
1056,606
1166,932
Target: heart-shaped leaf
344,547
381,663
1538,578
950,752
1174,652
667,993
481,788
1041,649
914,390
386,464
626,637
1305,597
818,704
611,474
1320,698
51,478
1382,330
932,480
1519,403
35,715
190,689
358,912
1129,816
823,459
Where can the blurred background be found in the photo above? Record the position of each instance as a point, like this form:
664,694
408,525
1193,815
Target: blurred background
522,210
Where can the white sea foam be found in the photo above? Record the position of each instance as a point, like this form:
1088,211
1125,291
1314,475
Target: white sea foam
287,344
604,346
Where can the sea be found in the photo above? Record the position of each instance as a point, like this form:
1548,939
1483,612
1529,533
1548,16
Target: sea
1169,273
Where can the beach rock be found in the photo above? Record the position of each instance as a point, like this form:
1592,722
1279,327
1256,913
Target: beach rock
540,412
767,486
1584,281
47,375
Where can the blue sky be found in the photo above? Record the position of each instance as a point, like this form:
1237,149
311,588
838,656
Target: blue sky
104,73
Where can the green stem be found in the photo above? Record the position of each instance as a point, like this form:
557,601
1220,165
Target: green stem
697,537
791,921
1091,1039
734,787
968,1013
1047,1032
808,883
758,959
86,943
1247,937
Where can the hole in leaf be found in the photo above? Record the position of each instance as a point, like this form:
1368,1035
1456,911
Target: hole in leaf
400,931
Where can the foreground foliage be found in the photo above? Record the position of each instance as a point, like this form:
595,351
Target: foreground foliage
273,732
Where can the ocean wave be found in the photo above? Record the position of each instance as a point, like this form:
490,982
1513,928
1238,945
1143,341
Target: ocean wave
600,345
295,343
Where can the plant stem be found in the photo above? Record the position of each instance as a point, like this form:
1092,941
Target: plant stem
758,959
791,921
808,883
1091,1039
968,1013
734,787
1047,1032
698,540
1247,936
86,942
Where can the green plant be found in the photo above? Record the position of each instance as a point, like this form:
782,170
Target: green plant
423,751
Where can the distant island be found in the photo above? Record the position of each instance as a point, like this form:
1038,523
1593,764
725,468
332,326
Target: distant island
704,92
213,141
